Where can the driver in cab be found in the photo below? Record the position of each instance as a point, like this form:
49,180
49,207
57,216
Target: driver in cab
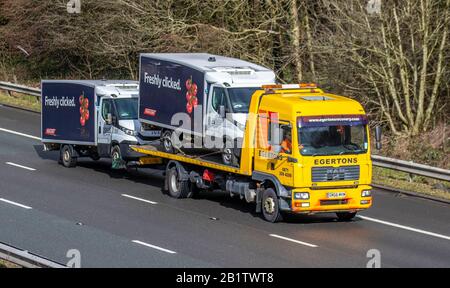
286,144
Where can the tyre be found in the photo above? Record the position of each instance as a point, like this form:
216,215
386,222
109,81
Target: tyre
116,157
345,216
194,191
95,156
67,156
166,140
271,206
228,156
177,188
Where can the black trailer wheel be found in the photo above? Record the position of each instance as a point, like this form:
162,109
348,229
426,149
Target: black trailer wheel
345,216
271,206
166,140
177,188
95,156
67,156
194,191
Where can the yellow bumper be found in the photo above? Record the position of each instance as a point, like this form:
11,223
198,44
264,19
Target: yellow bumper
320,201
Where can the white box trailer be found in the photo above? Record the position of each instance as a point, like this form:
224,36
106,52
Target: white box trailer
201,94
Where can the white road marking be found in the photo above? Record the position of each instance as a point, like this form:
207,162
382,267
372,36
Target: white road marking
293,240
20,134
20,166
139,199
154,247
404,227
15,204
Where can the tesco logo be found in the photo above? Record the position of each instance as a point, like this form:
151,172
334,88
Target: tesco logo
50,132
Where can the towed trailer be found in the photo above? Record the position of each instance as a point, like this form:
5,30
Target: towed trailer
303,151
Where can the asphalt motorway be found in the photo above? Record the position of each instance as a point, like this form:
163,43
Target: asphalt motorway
124,219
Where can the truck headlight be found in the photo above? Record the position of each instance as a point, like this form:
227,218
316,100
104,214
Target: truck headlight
366,193
128,131
301,195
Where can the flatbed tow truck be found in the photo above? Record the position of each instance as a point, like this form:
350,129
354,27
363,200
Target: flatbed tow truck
304,151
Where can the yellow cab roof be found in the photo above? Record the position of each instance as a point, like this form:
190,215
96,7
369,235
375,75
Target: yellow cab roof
291,103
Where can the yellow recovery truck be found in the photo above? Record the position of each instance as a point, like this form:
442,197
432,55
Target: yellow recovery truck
317,161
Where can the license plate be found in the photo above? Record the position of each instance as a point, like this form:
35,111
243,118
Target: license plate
150,160
152,133
333,195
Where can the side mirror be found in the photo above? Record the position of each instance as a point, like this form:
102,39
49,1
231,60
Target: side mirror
378,137
109,119
222,111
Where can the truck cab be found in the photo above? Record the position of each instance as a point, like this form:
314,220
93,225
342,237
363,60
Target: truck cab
118,124
316,146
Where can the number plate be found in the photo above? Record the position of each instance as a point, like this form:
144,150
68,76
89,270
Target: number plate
333,195
151,133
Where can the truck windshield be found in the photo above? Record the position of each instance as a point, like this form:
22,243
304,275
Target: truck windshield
240,98
332,140
127,108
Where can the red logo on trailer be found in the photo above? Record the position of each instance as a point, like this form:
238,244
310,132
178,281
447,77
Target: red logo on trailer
149,112
50,132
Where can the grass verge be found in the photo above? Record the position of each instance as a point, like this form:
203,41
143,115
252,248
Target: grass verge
21,101
403,181
6,264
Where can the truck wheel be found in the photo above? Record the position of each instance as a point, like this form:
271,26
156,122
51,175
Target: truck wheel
345,216
194,191
271,206
116,156
177,188
228,156
166,139
68,159
95,156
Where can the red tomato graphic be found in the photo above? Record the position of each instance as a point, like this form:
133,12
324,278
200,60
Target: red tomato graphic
81,99
189,108
194,89
188,96
86,103
188,84
194,101
86,114
82,121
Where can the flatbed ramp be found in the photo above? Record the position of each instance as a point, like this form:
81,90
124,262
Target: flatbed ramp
206,159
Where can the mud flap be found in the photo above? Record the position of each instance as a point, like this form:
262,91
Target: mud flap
258,200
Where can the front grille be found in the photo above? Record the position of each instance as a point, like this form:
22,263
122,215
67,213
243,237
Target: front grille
333,202
327,174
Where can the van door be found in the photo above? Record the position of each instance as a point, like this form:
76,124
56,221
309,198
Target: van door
105,128
215,122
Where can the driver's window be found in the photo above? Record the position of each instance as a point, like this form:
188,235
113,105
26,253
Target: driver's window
106,109
280,138
218,98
